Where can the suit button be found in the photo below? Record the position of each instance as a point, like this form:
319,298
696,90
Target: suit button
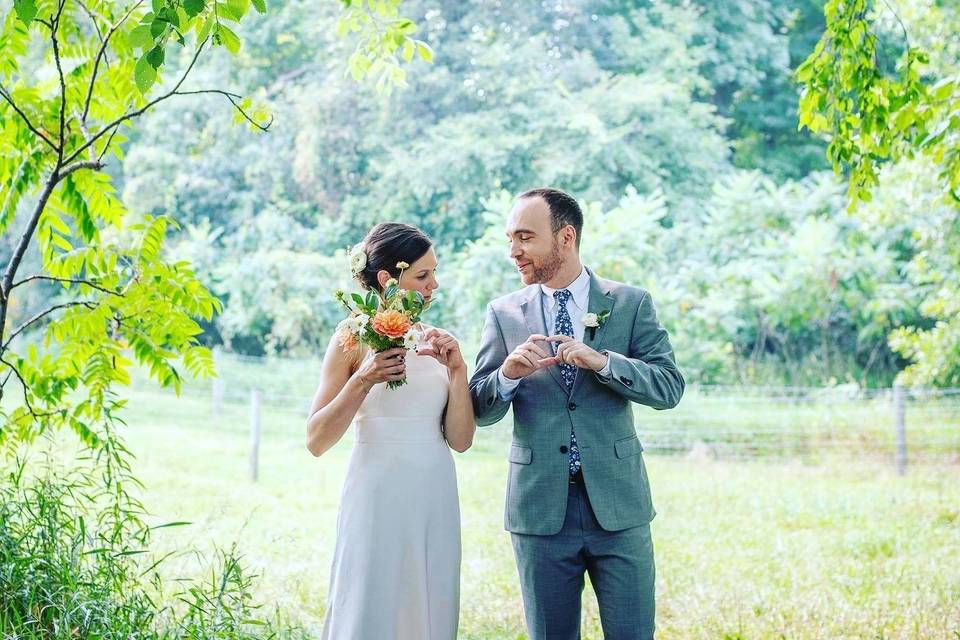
563,448
572,406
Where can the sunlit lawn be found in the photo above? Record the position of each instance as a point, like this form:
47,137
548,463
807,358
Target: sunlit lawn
763,549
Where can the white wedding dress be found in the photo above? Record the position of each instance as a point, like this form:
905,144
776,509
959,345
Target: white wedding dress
396,565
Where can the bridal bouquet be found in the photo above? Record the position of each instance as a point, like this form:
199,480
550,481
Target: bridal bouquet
381,320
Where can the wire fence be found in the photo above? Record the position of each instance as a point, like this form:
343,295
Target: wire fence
899,424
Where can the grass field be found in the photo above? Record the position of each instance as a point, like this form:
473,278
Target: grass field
811,543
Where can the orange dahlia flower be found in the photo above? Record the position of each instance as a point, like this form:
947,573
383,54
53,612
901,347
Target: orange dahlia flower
348,341
391,323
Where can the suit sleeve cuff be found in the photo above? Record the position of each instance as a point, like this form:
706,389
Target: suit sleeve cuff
506,387
605,373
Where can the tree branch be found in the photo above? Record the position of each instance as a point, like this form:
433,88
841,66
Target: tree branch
26,396
86,134
56,19
76,303
63,86
232,97
88,283
11,270
107,146
9,98
86,164
133,114
903,27
17,256
93,19
100,54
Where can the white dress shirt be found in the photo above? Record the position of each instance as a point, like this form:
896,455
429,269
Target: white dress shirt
577,306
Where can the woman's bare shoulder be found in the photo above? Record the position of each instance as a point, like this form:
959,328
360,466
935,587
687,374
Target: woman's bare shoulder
344,353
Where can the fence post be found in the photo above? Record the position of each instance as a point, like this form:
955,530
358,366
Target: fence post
899,413
254,433
217,404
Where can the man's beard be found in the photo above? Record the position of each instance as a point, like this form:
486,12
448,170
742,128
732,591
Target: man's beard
545,271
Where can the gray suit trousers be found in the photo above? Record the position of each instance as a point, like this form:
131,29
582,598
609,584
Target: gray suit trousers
621,569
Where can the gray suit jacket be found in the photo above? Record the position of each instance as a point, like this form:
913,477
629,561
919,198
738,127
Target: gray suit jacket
643,370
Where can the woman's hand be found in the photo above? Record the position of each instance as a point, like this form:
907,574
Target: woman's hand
442,346
383,367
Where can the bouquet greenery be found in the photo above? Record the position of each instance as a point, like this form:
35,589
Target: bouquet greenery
381,320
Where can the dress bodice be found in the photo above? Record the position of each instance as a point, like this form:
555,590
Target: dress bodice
410,413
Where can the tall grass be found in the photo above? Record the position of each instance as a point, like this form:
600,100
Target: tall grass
76,562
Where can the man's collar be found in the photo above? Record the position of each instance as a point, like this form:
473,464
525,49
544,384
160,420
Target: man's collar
579,289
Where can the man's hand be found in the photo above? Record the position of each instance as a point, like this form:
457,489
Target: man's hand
574,352
530,357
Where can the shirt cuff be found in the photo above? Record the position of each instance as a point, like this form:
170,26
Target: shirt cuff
605,372
506,387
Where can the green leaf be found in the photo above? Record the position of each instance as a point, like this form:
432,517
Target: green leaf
61,242
203,31
229,12
239,7
358,64
228,39
155,57
178,523
26,10
170,16
144,74
194,7
158,27
140,37
260,6
424,50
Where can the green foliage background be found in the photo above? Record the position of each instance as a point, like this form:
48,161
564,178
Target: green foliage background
675,124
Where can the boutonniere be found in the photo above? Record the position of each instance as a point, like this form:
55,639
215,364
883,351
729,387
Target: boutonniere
593,321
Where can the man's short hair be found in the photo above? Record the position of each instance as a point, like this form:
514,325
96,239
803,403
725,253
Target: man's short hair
564,209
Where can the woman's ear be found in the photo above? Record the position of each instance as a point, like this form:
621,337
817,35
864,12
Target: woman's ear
382,276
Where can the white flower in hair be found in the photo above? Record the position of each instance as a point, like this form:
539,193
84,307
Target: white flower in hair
358,258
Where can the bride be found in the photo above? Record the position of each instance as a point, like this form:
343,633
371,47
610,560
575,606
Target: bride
396,564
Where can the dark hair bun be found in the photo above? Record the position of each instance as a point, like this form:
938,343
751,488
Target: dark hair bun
387,244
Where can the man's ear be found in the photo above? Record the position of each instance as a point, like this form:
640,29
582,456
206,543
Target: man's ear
570,236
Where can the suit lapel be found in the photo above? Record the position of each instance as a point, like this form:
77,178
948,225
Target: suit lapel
534,317
600,300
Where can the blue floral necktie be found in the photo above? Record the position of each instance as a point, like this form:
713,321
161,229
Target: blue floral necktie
564,327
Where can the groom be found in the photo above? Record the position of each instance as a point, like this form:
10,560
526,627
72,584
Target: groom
578,499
